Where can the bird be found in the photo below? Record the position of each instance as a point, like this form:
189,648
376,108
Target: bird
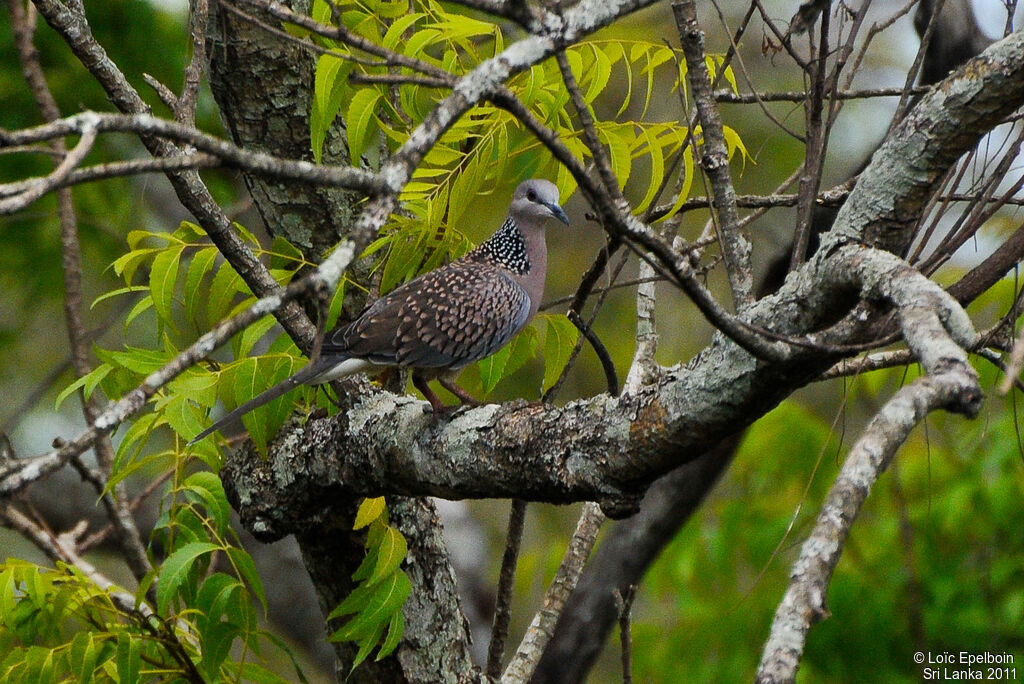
447,318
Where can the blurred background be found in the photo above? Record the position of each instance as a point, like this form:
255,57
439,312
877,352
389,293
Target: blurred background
935,562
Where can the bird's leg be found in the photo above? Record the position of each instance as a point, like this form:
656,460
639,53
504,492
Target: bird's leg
423,386
464,396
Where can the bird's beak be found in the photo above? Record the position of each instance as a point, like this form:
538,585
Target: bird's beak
557,212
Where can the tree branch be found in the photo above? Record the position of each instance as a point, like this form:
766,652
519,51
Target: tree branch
17,474
69,21
715,156
568,574
230,155
804,602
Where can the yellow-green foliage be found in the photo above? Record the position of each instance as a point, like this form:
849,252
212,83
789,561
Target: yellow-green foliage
58,625
376,603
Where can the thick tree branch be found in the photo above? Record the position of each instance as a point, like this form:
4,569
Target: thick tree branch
632,544
906,169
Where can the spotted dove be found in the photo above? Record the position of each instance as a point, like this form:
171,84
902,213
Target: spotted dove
444,320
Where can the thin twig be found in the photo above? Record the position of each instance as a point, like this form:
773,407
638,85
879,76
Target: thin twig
506,580
715,156
119,169
624,604
610,376
185,112
568,574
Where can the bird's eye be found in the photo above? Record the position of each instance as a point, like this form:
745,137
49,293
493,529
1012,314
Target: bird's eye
531,195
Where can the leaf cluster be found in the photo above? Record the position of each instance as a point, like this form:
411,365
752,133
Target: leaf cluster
59,625
375,605
182,286
490,149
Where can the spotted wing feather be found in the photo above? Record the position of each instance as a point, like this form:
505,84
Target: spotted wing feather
446,319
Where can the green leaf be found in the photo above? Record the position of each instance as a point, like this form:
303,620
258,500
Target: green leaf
617,138
284,254
335,306
162,458
330,90
246,234
83,657
246,569
657,174
175,570
248,381
599,73
733,142
200,264
383,599
508,359
404,259
119,291
369,510
129,658
199,384
162,277
360,113
395,32
252,334
135,237
559,340
183,416
395,630
215,597
127,264
367,643
390,553
216,640
420,41
367,565
654,56
492,369
218,597
687,183
221,296
251,672
209,490
141,429
87,382
136,359
141,307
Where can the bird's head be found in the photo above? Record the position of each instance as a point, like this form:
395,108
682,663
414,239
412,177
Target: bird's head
537,199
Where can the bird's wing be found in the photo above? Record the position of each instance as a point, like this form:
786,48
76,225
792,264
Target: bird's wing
447,318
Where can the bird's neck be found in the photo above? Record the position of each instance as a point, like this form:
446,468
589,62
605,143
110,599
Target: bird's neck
520,249
509,248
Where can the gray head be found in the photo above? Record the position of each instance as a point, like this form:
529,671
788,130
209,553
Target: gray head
536,200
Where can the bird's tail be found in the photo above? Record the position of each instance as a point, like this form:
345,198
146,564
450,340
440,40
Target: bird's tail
309,372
